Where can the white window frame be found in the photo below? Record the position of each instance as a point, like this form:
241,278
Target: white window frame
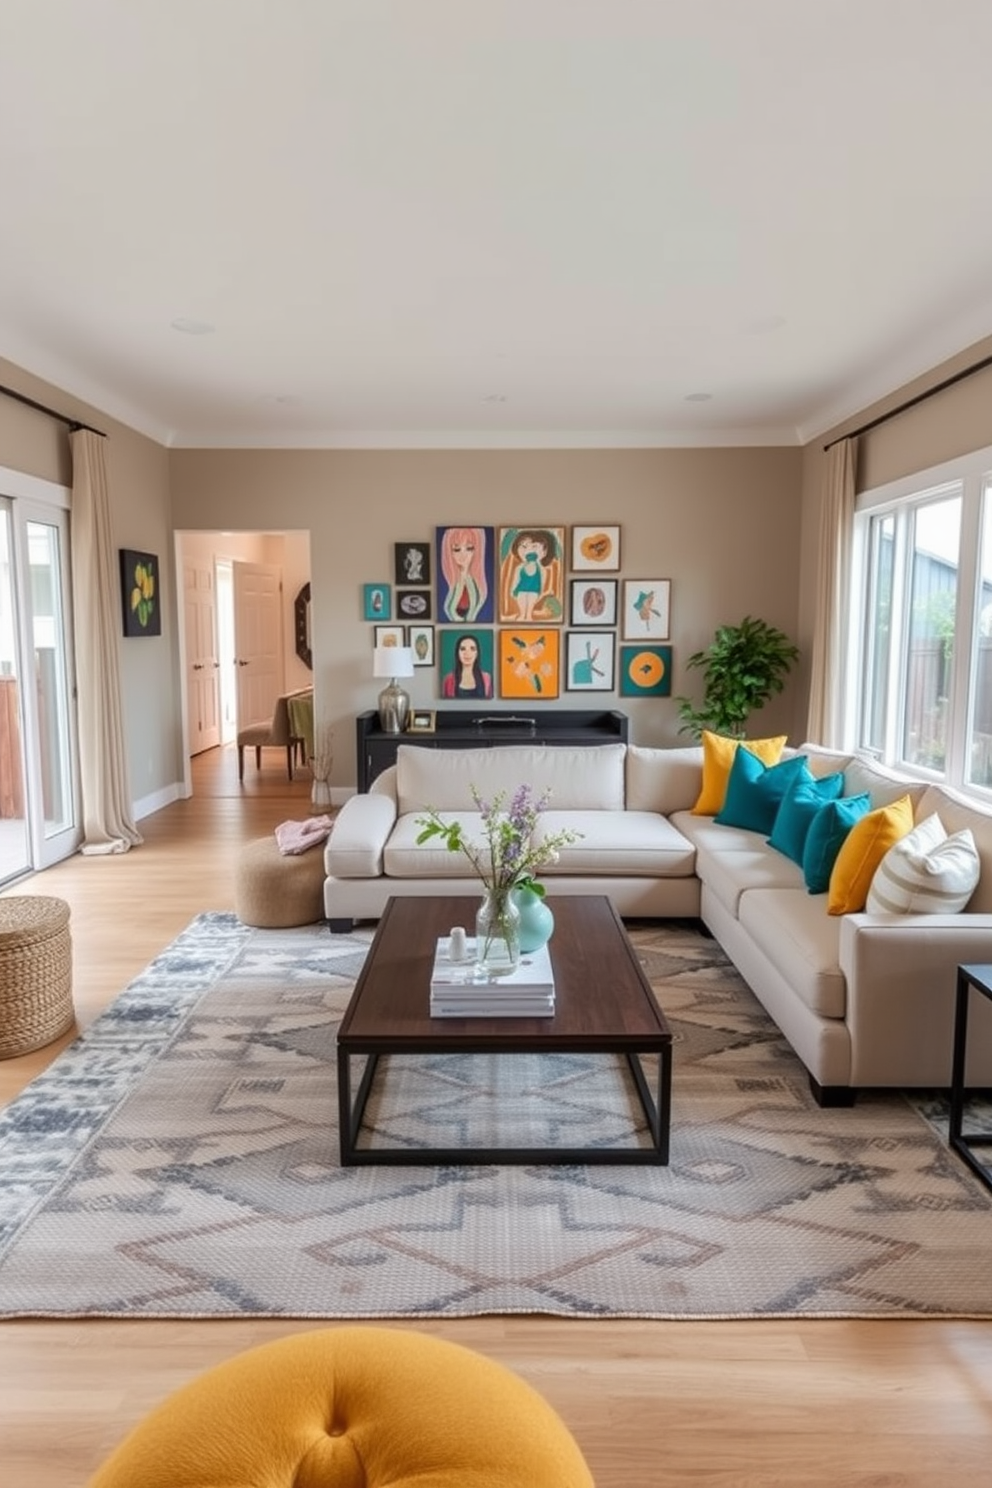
970,476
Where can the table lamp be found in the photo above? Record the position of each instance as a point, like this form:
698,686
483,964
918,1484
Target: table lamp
394,703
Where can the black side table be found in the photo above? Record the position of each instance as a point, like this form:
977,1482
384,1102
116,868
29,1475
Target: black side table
964,1143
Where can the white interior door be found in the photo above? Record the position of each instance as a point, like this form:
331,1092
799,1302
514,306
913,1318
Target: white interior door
258,641
202,665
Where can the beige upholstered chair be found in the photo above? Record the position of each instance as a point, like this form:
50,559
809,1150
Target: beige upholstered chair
277,732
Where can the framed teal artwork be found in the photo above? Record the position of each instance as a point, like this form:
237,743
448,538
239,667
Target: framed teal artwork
645,671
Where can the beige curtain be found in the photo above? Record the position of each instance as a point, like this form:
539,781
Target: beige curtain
108,824
826,691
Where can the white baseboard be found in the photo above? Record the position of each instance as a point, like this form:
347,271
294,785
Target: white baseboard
149,804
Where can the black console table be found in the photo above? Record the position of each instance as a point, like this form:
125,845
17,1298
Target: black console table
455,728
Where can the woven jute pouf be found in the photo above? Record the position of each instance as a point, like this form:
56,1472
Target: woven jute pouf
35,973
275,890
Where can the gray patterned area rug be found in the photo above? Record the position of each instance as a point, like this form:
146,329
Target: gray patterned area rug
180,1160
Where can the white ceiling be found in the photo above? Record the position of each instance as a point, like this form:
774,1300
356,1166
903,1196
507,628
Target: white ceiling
492,222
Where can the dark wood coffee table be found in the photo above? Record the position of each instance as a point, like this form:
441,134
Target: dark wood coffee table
603,1004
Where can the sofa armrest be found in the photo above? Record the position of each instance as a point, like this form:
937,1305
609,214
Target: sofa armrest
359,834
901,976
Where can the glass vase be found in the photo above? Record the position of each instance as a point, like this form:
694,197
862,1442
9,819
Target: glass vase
497,935
537,923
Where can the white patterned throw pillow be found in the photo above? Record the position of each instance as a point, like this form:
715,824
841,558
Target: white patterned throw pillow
926,872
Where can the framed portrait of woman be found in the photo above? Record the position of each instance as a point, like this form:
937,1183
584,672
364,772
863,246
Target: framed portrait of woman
532,575
465,570
465,663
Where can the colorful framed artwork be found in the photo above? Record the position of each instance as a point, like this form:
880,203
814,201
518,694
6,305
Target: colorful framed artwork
645,671
465,573
589,660
420,639
595,547
646,609
529,663
376,602
531,575
413,604
388,635
140,593
465,663
593,601
412,564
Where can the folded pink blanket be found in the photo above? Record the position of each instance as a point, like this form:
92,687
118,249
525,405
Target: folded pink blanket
297,837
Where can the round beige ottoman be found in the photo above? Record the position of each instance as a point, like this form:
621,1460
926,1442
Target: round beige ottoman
35,973
351,1407
275,890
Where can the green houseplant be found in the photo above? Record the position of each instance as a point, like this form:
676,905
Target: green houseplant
742,667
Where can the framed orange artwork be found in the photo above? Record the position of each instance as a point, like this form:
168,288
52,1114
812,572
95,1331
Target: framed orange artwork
529,664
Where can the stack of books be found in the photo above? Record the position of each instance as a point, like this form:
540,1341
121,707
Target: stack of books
456,992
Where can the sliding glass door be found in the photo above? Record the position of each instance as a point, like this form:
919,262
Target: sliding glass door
38,817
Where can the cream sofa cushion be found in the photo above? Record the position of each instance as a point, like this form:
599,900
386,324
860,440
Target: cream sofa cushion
801,942
584,778
664,780
614,843
884,786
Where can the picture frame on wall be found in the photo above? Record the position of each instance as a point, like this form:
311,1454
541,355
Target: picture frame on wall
529,663
420,639
388,635
140,593
412,564
531,570
645,671
413,604
377,602
596,547
589,660
465,663
593,602
465,574
646,609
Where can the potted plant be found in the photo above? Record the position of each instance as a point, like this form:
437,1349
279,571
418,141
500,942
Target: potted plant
742,667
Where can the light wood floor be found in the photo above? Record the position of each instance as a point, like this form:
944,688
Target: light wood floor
712,1405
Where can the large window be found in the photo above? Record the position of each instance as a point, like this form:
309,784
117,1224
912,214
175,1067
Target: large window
921,641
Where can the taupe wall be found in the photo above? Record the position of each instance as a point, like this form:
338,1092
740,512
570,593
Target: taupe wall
722,525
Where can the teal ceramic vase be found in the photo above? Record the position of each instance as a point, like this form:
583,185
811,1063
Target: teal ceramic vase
536,920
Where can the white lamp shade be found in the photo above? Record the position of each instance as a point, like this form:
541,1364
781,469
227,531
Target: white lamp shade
392,661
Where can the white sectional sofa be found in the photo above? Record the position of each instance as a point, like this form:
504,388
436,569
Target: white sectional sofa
866,1000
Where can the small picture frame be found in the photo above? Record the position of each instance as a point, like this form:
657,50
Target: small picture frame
421,721
412,564
589,660
388,635
645,671
593,602
595,548
413,604
646,609
420,639
376,602
141,598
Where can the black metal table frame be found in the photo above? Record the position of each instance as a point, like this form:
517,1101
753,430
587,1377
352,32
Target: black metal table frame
964,1143
657,1109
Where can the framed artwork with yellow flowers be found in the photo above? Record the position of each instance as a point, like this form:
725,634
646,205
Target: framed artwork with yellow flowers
140,593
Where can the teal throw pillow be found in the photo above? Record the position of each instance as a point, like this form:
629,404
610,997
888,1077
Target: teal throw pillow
826,836
755,791
799,805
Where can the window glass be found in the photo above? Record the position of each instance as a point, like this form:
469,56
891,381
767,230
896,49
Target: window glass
980,752
929,652
881,560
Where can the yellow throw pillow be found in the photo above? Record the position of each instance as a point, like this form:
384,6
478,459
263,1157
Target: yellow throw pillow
718,756
864,848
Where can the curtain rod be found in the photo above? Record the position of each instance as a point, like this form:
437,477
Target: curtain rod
71,423
883,418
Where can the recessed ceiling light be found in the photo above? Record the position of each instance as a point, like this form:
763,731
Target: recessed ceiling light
698,397
494,398
192,327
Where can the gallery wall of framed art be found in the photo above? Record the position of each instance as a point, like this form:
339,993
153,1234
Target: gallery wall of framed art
524,613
